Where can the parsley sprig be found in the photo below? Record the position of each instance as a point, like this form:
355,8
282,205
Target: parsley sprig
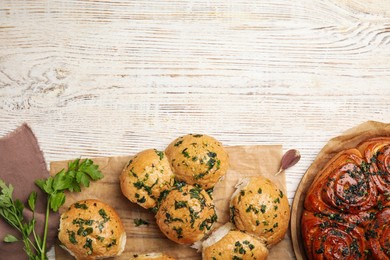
78,174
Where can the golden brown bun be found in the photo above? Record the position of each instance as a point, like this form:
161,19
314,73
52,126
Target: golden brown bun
258,207
233,244
151,256
145,177
186,214
198,159
91,229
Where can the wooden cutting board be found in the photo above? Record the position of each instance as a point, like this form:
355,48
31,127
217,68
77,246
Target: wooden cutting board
244,161
350,139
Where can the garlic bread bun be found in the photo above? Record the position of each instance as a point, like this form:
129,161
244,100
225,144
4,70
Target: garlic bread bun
260,208
91,229
227,243
151,256
186,215
198,159
145,177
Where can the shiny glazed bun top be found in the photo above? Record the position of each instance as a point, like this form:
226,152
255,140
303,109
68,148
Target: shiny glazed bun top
91,229
186,215
198,159
260,208
145,177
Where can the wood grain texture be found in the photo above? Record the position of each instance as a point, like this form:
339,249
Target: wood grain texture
103,78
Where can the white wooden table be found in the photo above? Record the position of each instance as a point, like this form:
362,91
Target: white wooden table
103,78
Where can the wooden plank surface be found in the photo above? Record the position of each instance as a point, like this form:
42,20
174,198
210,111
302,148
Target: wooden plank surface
105,78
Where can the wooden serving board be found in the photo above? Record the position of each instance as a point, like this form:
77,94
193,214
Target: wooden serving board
244,161
350,139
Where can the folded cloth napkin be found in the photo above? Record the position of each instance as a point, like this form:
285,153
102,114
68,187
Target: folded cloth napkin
22,163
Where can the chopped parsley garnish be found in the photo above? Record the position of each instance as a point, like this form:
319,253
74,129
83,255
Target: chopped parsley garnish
142,200
180,204
232,214
103,214
80,205
88,244
178,143
170,219
139,221
72,237
159,153
113,243
208,223
185,153
80,222
179,232
321,250
84,232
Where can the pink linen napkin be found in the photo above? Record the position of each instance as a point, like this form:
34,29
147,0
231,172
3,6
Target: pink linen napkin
22,163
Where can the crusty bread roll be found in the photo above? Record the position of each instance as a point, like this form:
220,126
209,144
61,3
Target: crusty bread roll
145,177
151,256
198,159
260,208
227,243
186,215
91,229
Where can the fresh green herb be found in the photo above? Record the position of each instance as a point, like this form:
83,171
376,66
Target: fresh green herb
259,191
185,153
232,214
179,232
78,174
139,221
170,219
160,154
336,217
72,237
180,204
252,208
208,222
113,243
84,232
178,143
103,214
80,222
80,206
321,250
88,244
242,193
141,200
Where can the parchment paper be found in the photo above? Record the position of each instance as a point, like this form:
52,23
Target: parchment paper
244,161
349,139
